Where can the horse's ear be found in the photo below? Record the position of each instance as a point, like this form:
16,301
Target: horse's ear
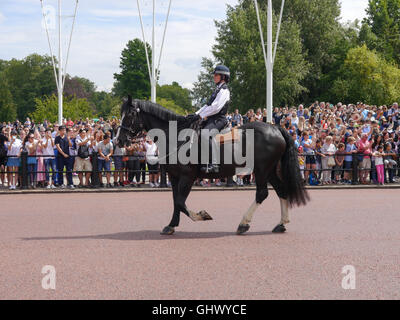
130,99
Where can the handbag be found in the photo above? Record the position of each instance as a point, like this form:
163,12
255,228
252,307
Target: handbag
83,152
331,162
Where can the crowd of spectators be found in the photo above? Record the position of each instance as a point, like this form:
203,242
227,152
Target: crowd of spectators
337,144
340,144
58,152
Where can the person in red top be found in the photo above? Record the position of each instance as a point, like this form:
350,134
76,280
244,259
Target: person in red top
70,123
365,147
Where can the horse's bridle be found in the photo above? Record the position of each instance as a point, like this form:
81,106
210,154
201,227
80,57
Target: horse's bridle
134,135
129,130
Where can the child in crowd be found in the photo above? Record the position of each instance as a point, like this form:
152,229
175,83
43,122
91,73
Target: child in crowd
351,149
379,164
301,161
339,159
389,161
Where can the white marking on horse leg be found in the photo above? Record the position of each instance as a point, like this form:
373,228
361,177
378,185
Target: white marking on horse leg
248,216
284,211
195,216
199,216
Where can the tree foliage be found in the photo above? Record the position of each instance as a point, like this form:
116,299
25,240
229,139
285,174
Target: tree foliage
80,87
170,105
205,84
8,110
366,76
28,79
74,108
134,76
320,29
174,92
238,46
381,28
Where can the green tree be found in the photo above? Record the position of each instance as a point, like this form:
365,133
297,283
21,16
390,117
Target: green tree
8,110
238,46
381,28
347,39
319,25
80,87
107,105
134,76
366,76
74,108
28,79
170,105
174,92
205,84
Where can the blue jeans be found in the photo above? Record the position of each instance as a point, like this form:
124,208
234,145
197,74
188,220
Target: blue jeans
32,173
103,164
51,164
61,163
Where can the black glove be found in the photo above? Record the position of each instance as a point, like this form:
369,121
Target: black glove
193,118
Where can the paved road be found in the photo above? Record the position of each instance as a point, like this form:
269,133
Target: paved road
107,246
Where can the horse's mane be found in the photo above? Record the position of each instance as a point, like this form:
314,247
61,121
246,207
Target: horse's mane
158,111
155,110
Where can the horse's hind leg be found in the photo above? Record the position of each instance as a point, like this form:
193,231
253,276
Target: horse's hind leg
261,195
279,187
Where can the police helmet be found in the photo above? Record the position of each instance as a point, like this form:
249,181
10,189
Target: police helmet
224,72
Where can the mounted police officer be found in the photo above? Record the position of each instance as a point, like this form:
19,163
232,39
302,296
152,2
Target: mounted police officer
213,115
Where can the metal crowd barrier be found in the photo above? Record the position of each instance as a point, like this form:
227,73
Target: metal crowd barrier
24,171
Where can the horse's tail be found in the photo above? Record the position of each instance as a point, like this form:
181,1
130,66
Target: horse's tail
291,175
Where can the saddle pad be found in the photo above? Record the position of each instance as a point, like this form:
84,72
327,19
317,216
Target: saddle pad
232,136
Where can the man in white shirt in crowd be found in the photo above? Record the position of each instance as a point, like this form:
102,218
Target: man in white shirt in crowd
82,161
49,159
105,149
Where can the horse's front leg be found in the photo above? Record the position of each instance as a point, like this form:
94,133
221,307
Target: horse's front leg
170,229
181,192
184,188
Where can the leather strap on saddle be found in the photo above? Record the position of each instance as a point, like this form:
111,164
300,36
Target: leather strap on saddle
230,137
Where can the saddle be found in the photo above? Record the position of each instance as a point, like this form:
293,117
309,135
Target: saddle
228,136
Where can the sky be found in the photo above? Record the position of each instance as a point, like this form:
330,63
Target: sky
103,28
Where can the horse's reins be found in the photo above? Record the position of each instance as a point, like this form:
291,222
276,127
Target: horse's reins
169,154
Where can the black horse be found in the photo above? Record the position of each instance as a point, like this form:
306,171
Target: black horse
275,162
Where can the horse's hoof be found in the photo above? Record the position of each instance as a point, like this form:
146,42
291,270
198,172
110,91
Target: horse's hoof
168,231
205,216
242,229
280,228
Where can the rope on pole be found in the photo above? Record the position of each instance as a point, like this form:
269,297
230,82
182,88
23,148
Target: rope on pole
165,31
261,32
69,44
278,31
144,40
51,50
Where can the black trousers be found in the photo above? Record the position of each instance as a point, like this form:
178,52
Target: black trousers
136,168
212,124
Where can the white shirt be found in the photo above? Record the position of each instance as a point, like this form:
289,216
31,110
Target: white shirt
151,152
378,160
222,98
49,150
118,151
15,148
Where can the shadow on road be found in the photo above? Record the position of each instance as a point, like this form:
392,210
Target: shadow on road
151,235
